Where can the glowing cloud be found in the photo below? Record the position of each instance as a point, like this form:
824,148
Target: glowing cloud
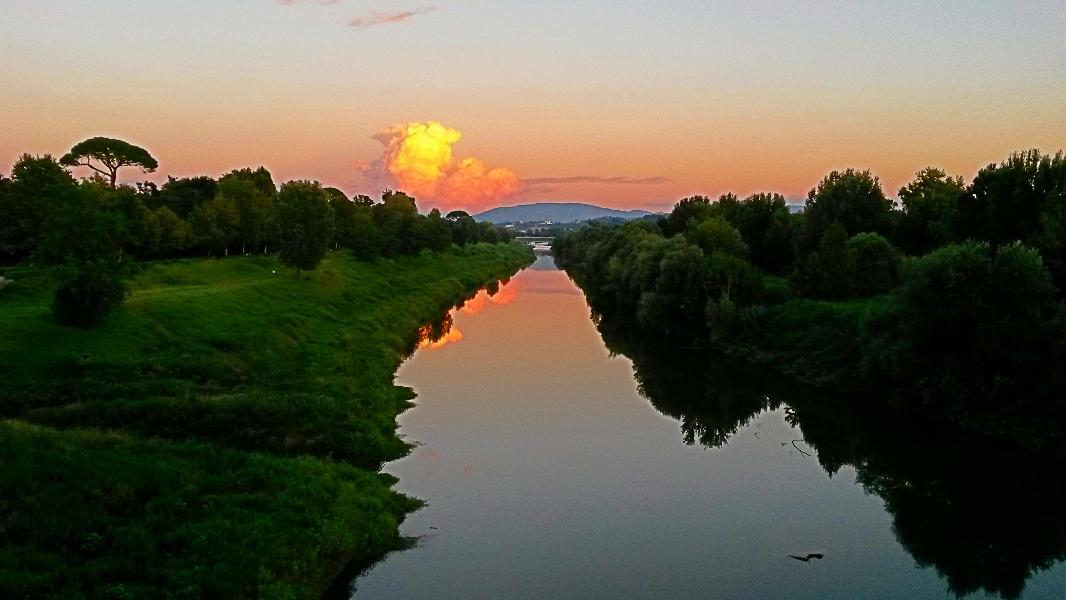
380,18
418,160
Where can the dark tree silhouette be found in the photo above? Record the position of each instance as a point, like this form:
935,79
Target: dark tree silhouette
305,224
111,155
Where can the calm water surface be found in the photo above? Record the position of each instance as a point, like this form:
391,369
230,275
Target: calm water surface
555,467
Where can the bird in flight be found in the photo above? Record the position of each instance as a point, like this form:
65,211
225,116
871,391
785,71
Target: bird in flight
806,557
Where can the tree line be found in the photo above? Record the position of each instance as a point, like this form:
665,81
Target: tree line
949,302
92,232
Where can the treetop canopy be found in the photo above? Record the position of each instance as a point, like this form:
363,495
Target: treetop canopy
112,154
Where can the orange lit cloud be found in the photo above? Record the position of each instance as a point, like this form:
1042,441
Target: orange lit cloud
418,160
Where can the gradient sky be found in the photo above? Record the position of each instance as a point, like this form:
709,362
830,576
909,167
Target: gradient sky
714,96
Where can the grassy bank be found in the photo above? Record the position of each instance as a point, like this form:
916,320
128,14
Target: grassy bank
245,410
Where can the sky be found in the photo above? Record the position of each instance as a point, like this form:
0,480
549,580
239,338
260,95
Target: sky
622,104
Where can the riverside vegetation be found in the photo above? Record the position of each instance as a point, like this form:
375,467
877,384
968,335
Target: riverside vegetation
986,516
209,428
949,304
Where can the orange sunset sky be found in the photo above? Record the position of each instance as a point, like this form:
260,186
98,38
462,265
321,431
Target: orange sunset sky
621,104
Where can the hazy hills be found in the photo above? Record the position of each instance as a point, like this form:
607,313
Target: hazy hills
556,212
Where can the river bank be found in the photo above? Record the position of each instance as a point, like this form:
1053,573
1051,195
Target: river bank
562,457
219,436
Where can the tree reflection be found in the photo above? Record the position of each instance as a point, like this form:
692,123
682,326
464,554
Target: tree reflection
985,516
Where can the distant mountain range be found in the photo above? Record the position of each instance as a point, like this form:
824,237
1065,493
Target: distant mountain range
556,212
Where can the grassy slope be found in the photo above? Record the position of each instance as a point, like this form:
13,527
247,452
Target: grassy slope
234,397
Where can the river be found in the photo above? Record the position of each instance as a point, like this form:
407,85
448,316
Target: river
556,464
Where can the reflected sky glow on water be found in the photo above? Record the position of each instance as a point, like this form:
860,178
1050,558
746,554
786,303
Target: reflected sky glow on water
549,475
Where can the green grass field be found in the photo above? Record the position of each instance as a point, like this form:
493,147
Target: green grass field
219,435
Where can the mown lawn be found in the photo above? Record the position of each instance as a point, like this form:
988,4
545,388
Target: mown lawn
218,436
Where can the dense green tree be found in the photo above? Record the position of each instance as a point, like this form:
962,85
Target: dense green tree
876,265
216,224
766,226
305,225
852,198
22,203
777,251
827,273
487,233
970,332
928,203
138,216
9,222
354,225
676,302
437,232
464,228
167,233
1007,202
1051,241
254,207
345,213
688,211
83,241
730,277
397,219
106,156
260,178
715,234
358,231
184,195
335,195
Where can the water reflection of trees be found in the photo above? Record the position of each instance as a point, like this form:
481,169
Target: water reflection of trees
986,517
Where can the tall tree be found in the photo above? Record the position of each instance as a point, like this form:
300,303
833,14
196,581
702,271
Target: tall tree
111,155
216,224
305,224
852,198
928,202
689,211
397,219
253,205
